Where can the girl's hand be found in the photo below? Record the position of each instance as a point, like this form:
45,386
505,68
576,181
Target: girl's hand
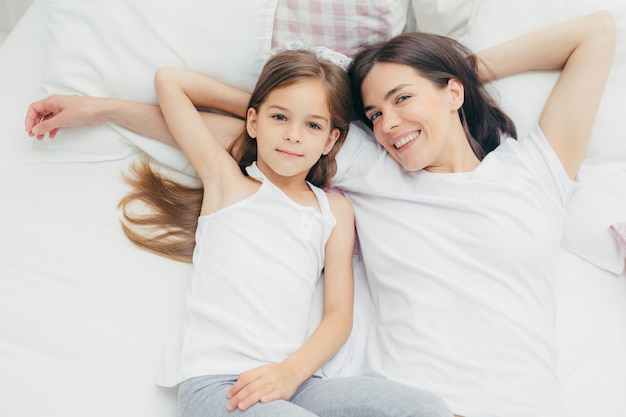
47,116
264,384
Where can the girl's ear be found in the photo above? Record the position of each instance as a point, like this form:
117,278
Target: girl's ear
457,93
251,122
330,142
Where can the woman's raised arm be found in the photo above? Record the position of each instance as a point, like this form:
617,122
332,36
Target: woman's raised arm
583,49
55,112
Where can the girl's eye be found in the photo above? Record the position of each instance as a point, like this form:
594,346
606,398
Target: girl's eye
374,116
314,126
278,117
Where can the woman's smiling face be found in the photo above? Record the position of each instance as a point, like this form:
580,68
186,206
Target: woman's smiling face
416,121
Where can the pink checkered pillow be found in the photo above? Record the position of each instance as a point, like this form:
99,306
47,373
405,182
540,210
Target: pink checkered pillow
344,26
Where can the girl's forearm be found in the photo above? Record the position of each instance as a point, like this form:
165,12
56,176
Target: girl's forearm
207,92
326,340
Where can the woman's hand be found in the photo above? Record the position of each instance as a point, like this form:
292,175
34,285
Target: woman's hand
49,115
263,384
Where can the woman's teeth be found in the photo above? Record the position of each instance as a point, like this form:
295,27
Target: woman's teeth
405,140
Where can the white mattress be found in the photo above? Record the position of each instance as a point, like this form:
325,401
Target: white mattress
83,313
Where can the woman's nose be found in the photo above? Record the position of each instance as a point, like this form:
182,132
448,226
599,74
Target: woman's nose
390,121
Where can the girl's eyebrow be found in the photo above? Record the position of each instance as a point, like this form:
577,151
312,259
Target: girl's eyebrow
389,94
284,109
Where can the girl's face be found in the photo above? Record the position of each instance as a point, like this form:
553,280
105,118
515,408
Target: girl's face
293,128
416,121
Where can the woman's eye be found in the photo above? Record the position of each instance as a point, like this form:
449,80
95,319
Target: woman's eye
374,116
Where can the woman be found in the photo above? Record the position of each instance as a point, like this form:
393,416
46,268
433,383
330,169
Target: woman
458,231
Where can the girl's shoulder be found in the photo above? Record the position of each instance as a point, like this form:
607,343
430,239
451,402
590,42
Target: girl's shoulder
340,206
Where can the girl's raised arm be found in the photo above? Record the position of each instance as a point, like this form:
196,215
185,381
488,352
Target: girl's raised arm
176,91
583,48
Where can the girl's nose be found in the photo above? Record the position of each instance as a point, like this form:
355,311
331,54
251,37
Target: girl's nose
293,135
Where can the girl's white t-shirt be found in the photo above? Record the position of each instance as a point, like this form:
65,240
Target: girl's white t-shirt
255,268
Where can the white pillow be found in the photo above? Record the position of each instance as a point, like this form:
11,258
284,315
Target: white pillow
601,199
344,26
113,47
618,230
443,17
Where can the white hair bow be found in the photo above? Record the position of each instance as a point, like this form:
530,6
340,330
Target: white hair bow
321,52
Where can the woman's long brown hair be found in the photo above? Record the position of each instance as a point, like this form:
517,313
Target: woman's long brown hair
161,215
439,58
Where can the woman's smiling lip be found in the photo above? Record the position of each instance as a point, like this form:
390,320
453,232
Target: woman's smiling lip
401,142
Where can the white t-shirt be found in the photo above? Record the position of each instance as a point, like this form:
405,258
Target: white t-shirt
255,268
460,267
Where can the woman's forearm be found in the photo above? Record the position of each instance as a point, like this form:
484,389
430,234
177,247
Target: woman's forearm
582,49
542,49
145,119
204,92
47,116
56,112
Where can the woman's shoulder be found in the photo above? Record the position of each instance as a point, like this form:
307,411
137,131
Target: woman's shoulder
357,155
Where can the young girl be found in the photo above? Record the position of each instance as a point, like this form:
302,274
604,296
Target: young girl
265,232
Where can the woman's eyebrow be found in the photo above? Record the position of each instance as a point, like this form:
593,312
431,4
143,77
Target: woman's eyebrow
389,94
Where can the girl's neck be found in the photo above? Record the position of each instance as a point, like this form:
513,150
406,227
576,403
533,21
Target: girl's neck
289,185
296,188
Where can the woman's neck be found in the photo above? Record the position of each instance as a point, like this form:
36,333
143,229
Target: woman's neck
458,156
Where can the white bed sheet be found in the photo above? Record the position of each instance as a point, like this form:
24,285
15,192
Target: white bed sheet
83,313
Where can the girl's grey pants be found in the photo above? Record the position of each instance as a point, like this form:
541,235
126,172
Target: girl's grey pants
205,396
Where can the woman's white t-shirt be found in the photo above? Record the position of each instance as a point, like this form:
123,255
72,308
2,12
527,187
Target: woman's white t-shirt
460,267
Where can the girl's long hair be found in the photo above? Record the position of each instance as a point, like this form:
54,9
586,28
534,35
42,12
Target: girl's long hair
161,215
439,58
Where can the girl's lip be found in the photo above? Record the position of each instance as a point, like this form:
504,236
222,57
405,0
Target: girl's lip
288,154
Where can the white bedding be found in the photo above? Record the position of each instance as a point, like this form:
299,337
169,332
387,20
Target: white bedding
84,313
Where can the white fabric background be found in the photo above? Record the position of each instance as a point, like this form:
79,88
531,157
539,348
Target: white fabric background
10,13
83,313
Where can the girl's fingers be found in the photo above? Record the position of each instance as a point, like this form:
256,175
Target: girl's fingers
273,395
244,399
244,379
